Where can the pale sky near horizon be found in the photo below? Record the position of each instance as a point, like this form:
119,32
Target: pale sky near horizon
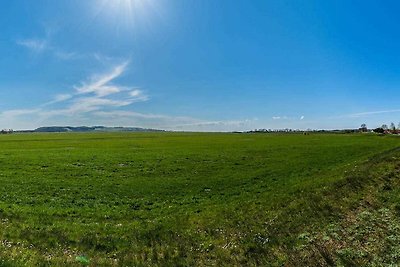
200,65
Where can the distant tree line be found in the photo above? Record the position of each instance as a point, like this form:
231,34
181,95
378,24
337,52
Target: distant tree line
384,129
288,130
7,131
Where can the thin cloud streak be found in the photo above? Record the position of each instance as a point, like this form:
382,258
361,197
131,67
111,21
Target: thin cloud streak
101,101
362,114
275,118
58,99
98,101
96,95
93,95
99,85
35,45
40,46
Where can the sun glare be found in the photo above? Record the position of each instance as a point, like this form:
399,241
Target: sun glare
126,5
126,11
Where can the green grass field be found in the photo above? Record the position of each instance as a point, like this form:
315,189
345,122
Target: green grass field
187,199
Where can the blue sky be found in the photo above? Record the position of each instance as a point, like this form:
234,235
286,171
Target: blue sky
209,65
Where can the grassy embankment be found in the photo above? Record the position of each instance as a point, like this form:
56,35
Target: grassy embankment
197,199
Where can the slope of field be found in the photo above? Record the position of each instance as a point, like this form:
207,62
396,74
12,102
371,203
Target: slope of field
176,199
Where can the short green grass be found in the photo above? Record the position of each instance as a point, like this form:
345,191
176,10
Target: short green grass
174,199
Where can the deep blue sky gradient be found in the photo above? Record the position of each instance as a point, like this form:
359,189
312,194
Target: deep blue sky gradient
204,65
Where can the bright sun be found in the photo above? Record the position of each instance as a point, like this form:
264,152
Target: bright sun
126,5
126,8
126,14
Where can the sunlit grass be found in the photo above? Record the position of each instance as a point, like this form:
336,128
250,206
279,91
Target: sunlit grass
169,198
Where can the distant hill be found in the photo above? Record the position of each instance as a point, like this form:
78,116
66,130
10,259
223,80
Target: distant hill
63,129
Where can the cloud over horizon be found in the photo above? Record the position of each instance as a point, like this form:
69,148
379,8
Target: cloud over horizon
100,100
99,93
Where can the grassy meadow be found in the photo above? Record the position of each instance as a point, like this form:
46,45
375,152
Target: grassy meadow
196,199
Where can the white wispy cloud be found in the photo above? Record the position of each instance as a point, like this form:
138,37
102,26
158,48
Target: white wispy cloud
100,84
280,118
275,118
62,97
97,94
57,99
236,123
35,45
368,113
87,104
135,93
43,45
18,112
155,120
63,55
100,100
288,118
